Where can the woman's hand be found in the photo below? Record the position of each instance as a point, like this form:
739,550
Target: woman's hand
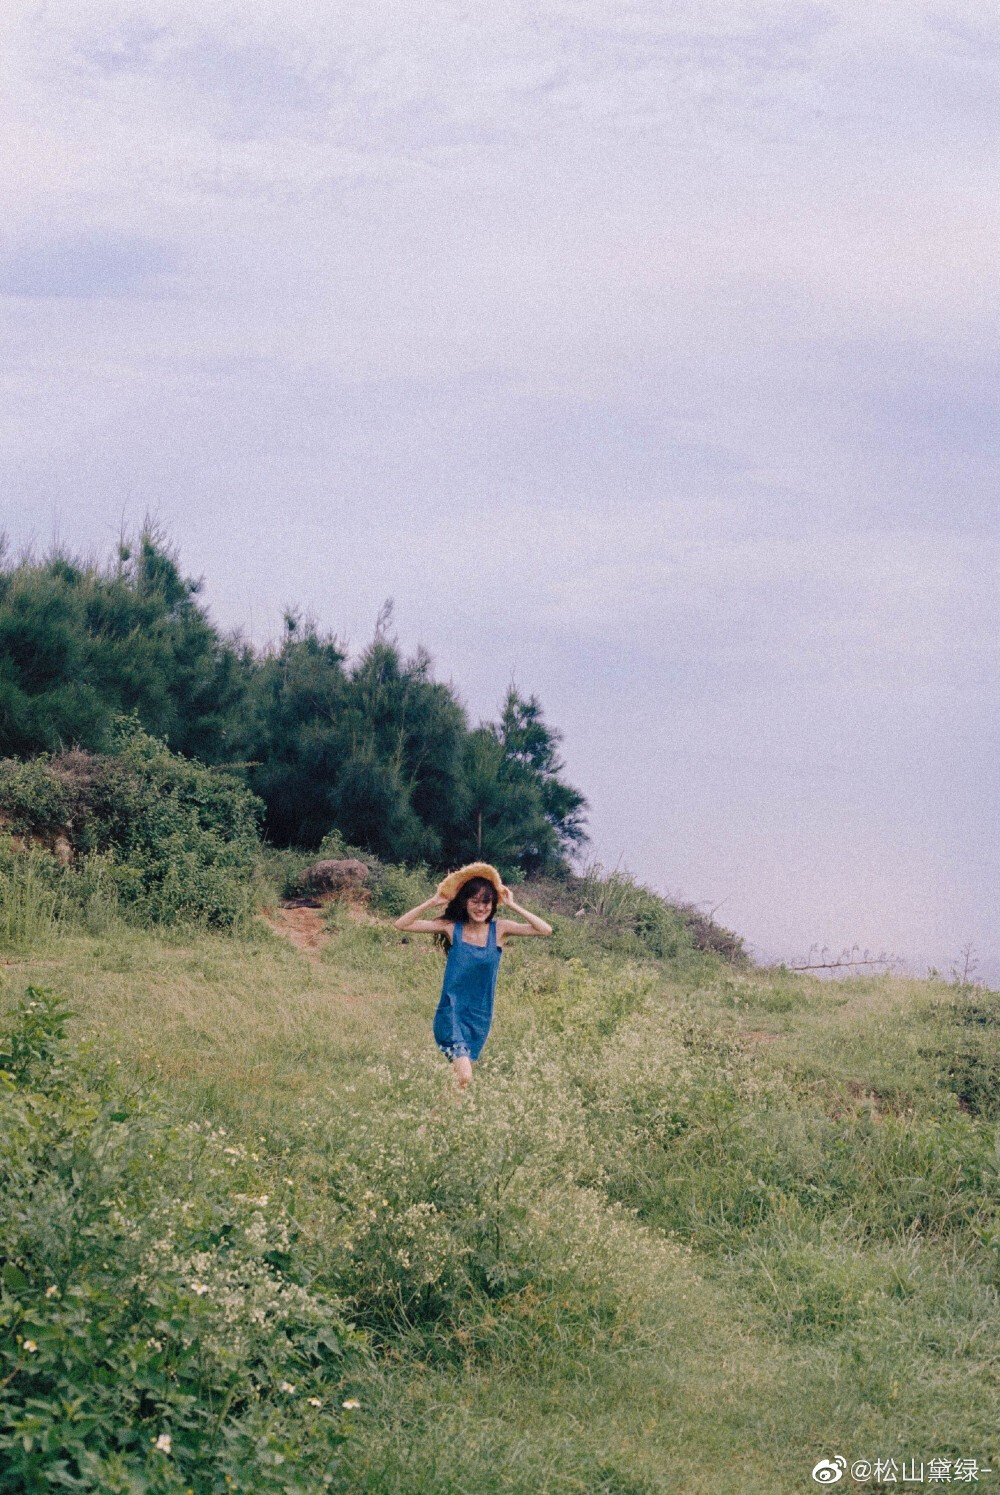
506,896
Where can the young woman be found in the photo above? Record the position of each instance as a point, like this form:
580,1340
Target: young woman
468,925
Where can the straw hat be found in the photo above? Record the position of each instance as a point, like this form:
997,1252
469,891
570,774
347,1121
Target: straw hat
451,884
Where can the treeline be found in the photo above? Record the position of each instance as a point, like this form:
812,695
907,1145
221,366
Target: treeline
373,747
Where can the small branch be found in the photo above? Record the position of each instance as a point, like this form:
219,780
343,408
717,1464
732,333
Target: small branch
836,965
846,960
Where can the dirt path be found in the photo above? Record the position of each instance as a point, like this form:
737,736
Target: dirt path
300,924
301,921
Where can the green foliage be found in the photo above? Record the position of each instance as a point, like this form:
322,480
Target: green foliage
159,1328
531,758
375,748
279,874
176,840
969,1053
395,889
31,1041
381,753
391,889
520,814
37,801
81,644
709,1148
30,901
569,999
184,839
628,908
39,896
645,1201
464,1228
372,751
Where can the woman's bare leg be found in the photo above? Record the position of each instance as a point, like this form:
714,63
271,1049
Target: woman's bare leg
462,1066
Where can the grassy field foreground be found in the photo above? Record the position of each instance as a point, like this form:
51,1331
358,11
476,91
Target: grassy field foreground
693,1229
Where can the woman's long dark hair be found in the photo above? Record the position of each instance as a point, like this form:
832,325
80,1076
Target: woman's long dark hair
457,911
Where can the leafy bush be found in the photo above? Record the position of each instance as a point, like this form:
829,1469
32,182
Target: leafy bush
81,643
373,745
181,840
395,889
279,874
625,916
38,798
159,1328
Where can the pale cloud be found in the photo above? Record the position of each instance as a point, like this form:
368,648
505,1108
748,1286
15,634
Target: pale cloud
254,98
663,334
85,265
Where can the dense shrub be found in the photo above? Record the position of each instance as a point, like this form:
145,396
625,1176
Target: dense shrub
159,1328
396,889
383,752
181,840
42,798
625,907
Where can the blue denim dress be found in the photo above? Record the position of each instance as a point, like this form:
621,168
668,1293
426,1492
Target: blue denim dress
465,1011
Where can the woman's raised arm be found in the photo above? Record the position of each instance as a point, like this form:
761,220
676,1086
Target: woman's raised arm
412,921
535,925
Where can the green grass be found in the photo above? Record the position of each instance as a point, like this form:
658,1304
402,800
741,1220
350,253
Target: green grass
692,1229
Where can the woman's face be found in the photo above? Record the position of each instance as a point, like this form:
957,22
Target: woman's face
479,906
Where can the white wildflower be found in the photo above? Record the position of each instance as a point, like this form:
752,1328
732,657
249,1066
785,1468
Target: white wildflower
286,1386
52,1292
163,1443
199,1289
314,1401
351,1405
30,1346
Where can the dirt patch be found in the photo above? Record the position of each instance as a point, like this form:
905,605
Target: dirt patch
301,924
760,1035
301,920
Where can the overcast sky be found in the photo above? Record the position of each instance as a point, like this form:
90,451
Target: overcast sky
644,352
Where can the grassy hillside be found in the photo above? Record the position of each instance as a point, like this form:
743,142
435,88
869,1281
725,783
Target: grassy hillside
694,1227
